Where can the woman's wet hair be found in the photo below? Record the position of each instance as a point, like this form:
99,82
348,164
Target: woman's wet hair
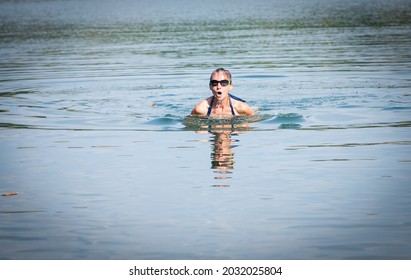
222,70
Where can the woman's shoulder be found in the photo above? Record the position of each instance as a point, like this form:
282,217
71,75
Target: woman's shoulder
202,107
242,107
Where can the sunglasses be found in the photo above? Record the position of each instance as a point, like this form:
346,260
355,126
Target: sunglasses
223,83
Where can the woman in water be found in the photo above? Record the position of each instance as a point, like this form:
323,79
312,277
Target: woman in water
222,103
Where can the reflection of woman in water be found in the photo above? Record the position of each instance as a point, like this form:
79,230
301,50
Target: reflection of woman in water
222,157
222,154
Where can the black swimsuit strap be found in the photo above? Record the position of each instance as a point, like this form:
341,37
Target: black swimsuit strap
231,106
210,107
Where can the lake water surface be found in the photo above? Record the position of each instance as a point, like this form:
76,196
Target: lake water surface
94,137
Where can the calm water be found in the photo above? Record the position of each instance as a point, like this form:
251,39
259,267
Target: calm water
93,136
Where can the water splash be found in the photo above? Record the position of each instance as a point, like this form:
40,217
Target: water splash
288,118
222,123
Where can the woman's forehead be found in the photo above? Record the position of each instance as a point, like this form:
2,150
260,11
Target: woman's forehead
219,76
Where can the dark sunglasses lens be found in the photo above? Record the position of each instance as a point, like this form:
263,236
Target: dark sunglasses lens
224,83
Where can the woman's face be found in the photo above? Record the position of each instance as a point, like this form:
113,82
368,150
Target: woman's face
220,92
